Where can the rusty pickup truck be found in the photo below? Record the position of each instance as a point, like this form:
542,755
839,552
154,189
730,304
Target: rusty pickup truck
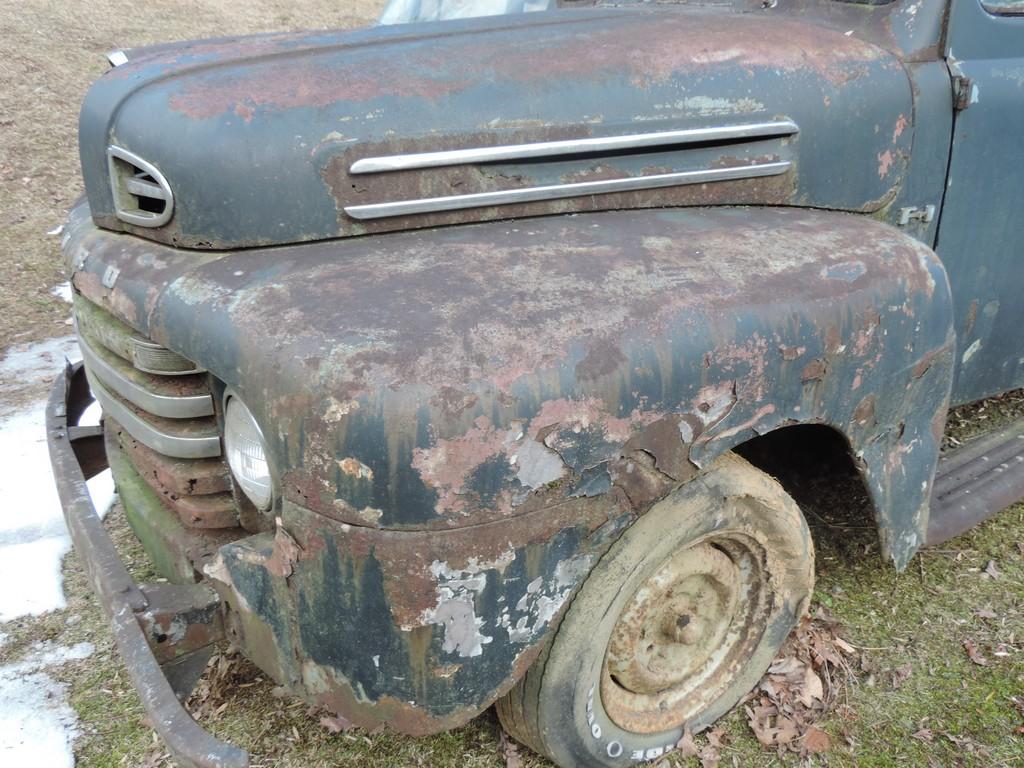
439,360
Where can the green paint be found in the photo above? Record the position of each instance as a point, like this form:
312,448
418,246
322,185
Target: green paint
153,523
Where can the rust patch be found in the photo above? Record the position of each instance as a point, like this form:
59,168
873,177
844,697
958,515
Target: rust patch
638,477
885,161
901,124
300,82
814,371
603,357
355,468
972,317
448,464
658,45
285,553
791,352
864,413
666,442
180,619
649,47
452,401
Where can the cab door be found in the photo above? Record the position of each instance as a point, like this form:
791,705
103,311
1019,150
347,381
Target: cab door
981,229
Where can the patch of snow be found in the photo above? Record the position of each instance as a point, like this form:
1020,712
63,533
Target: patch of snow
91,416
37,725
48,654
33,537
35,567
62,291
25,366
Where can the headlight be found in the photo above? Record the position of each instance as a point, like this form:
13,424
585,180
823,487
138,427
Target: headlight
247,454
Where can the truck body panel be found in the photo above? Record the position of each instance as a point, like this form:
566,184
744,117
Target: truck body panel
258,142
451,463
981,235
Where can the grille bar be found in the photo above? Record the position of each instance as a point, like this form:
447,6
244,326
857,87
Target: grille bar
140,186
158,360
199,444
171,407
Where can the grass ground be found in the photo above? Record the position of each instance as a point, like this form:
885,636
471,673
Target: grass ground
916,697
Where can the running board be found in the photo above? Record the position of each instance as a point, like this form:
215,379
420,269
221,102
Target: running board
975,481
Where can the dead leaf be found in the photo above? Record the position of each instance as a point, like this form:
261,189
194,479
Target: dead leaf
686,745
844,646
709,757
986,613
708,753
801,687
770,728
716,737
790,667
510,752
811,689
900,675
334,724
974,655
816,740
785,731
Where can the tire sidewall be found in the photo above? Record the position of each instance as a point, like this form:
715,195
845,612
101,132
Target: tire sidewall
576,729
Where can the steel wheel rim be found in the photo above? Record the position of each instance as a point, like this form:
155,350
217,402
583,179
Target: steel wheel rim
683,636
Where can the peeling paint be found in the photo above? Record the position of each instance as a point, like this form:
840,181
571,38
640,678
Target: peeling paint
457,591
971,351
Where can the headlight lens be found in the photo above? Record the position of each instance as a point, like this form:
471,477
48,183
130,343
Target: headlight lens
247,454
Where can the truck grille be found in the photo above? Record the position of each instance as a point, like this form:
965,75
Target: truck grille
162,411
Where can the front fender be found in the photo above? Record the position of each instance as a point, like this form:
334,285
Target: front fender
461,419
450,378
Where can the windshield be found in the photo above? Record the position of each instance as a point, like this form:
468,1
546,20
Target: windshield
406,11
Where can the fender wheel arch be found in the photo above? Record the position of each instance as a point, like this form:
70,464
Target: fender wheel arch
675,623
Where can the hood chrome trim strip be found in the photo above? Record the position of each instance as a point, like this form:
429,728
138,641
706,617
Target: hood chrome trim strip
386,163
557,191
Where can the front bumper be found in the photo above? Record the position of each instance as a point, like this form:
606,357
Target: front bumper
140,616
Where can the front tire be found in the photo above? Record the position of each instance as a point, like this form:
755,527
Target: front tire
673,626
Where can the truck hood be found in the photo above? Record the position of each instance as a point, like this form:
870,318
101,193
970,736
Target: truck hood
258,139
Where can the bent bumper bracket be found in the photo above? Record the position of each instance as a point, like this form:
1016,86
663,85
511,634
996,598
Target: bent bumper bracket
120,596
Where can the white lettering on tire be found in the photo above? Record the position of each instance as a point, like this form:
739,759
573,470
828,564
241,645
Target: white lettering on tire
614,748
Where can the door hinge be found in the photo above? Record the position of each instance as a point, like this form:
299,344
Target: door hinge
923,215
